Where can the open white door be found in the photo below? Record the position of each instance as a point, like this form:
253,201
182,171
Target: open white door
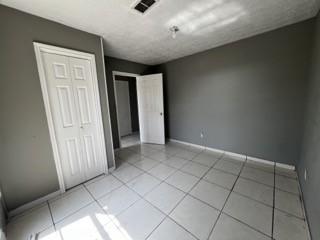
150,106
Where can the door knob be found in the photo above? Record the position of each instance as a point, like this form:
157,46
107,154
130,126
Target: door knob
81,127
161,114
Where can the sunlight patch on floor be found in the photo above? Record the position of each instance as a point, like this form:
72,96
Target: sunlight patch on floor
88,228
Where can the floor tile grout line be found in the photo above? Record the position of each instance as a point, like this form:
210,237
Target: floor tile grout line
272,172
261,168
185,194
166,215
203,150
282,175
161,181
178,168
271,206
258,201
291,193
66,193
304,210
165,179
187,230
122,211
275,174
95,179
152,204
176,205
253,180
216,184
25,213
62,219
175,155
225,203
143,198
105,194
192,173
290,214
146,172
279,189
86,205
142,172
110,218
173,186
273,186
213,157
246,224
47,203
224,171
53,224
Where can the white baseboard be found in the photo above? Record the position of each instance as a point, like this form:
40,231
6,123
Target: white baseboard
32,204
304,210
280,165
186,143
236,155
285,166
209,148
260,160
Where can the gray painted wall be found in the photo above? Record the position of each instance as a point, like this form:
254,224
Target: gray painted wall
247,97
133,100
310,157
114,64
27,169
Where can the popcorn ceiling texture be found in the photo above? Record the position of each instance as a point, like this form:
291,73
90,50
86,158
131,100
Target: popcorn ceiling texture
203,24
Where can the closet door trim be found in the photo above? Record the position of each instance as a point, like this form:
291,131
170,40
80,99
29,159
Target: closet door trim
44,48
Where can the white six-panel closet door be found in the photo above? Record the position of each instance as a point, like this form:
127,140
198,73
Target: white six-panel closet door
87,116
69,82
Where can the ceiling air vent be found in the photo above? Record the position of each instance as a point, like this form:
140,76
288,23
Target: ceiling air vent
144,5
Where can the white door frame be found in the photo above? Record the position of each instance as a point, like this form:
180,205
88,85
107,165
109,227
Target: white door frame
39,48
126,74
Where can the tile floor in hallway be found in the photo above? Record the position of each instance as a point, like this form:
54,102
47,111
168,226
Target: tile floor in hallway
130,140
173,192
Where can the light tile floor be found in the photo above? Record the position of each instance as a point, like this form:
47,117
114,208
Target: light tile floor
173,192
130,140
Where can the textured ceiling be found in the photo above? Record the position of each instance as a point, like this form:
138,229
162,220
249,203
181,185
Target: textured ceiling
203,24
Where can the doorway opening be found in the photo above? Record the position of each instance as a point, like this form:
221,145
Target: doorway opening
139,108
125,89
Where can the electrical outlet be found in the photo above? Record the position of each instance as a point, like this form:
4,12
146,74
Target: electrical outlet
305,174
201,134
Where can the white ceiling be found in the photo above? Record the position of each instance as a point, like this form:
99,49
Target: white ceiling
203,24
